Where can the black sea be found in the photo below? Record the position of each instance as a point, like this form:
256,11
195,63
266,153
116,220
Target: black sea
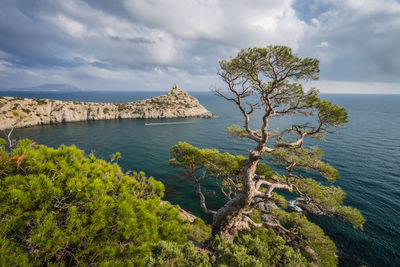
366,152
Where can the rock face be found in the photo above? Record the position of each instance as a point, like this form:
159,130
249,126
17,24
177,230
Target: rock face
300,205
24,112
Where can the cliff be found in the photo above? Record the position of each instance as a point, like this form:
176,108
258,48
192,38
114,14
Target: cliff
24,112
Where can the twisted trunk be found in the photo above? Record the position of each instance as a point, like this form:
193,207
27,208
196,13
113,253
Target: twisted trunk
230,218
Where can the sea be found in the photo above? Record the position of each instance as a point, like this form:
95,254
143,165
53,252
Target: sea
366,152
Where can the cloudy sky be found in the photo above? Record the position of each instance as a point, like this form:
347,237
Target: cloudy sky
151,44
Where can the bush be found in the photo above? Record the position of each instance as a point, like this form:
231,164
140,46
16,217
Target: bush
256,248
59,206
171,254
201,230
259,247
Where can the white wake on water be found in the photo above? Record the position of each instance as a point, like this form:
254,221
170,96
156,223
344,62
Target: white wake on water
164,123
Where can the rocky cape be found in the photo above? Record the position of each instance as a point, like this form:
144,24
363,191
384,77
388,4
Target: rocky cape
17,112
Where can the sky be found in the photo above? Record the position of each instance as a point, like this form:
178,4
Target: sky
152,44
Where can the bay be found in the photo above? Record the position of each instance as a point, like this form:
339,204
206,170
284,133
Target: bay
366,152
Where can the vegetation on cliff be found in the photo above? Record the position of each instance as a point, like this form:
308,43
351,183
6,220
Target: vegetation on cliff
22,112
60,206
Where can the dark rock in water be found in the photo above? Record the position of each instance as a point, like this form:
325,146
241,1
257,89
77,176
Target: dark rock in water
265,206
300,205
270,206
310,208
293,204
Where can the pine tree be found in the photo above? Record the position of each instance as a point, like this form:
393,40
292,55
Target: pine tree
267,80
62,207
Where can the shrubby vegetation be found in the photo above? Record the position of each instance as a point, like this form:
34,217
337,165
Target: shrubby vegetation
62,207
58,206
259,247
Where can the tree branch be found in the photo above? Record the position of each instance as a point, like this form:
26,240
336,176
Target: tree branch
202,198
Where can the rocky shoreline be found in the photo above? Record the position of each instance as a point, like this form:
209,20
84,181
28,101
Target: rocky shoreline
17,112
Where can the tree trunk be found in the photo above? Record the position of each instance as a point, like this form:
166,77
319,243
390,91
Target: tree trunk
229,219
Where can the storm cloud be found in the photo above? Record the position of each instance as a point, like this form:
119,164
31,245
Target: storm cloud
149,45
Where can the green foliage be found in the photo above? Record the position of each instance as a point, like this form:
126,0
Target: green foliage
115,157
220,164
172,254
313,236
201,232
12,255
286,64
235,131
330,200
58,206
16,106
328,113
351,215
122,107
259,247
279,199
40,101
306,159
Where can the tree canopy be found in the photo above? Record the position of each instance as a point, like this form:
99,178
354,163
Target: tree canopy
266,81
59,206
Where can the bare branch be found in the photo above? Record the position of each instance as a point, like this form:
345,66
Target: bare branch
227,195
202,198
11,142
271,187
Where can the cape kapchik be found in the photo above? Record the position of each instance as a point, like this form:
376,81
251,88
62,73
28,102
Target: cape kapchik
24,112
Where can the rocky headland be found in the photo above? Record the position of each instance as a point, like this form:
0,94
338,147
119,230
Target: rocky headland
17,112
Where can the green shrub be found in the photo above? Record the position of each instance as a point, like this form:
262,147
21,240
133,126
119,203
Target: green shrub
172,254
59,206
40,101
122,107
256,248
16,106
201,230
259,247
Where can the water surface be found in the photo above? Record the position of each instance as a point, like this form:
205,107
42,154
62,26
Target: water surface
367,155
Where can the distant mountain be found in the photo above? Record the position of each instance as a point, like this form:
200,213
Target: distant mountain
50,87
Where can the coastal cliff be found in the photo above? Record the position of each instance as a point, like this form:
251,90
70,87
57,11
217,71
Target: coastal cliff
20,112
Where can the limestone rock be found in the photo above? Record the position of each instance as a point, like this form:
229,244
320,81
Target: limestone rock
300,205
24,112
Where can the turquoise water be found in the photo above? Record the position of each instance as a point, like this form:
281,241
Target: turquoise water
367,154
